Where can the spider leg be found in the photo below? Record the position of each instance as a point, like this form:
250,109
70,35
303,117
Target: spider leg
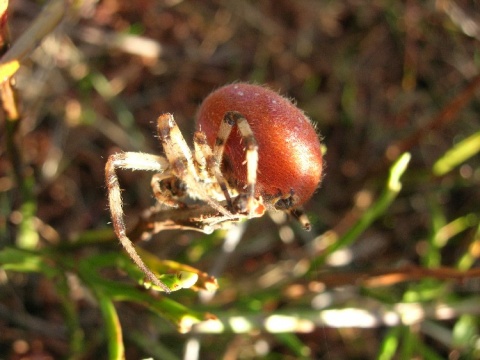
130,161
181,163
230,119
285,203
208,164
198,217
301,217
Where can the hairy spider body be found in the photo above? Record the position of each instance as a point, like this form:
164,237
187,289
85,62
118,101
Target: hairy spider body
290,160
252,145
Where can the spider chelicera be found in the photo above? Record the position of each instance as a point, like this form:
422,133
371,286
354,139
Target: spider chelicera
254,150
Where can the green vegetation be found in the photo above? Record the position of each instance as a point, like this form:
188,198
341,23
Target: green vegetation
390,268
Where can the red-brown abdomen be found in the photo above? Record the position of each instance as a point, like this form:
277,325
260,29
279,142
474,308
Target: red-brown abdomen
290,158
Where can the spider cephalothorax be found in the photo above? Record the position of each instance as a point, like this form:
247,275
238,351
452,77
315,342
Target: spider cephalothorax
254,149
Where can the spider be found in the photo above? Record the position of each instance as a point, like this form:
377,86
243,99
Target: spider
254,150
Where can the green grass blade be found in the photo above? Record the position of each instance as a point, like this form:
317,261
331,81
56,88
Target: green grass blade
389,344
458,154
377,209
20,260
113,328
182,317
292,341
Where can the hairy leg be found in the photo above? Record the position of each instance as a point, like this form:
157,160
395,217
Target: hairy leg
231,119
130,161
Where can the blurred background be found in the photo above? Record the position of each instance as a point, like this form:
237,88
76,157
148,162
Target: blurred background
377,78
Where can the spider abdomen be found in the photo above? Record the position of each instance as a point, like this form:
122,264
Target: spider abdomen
289,154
